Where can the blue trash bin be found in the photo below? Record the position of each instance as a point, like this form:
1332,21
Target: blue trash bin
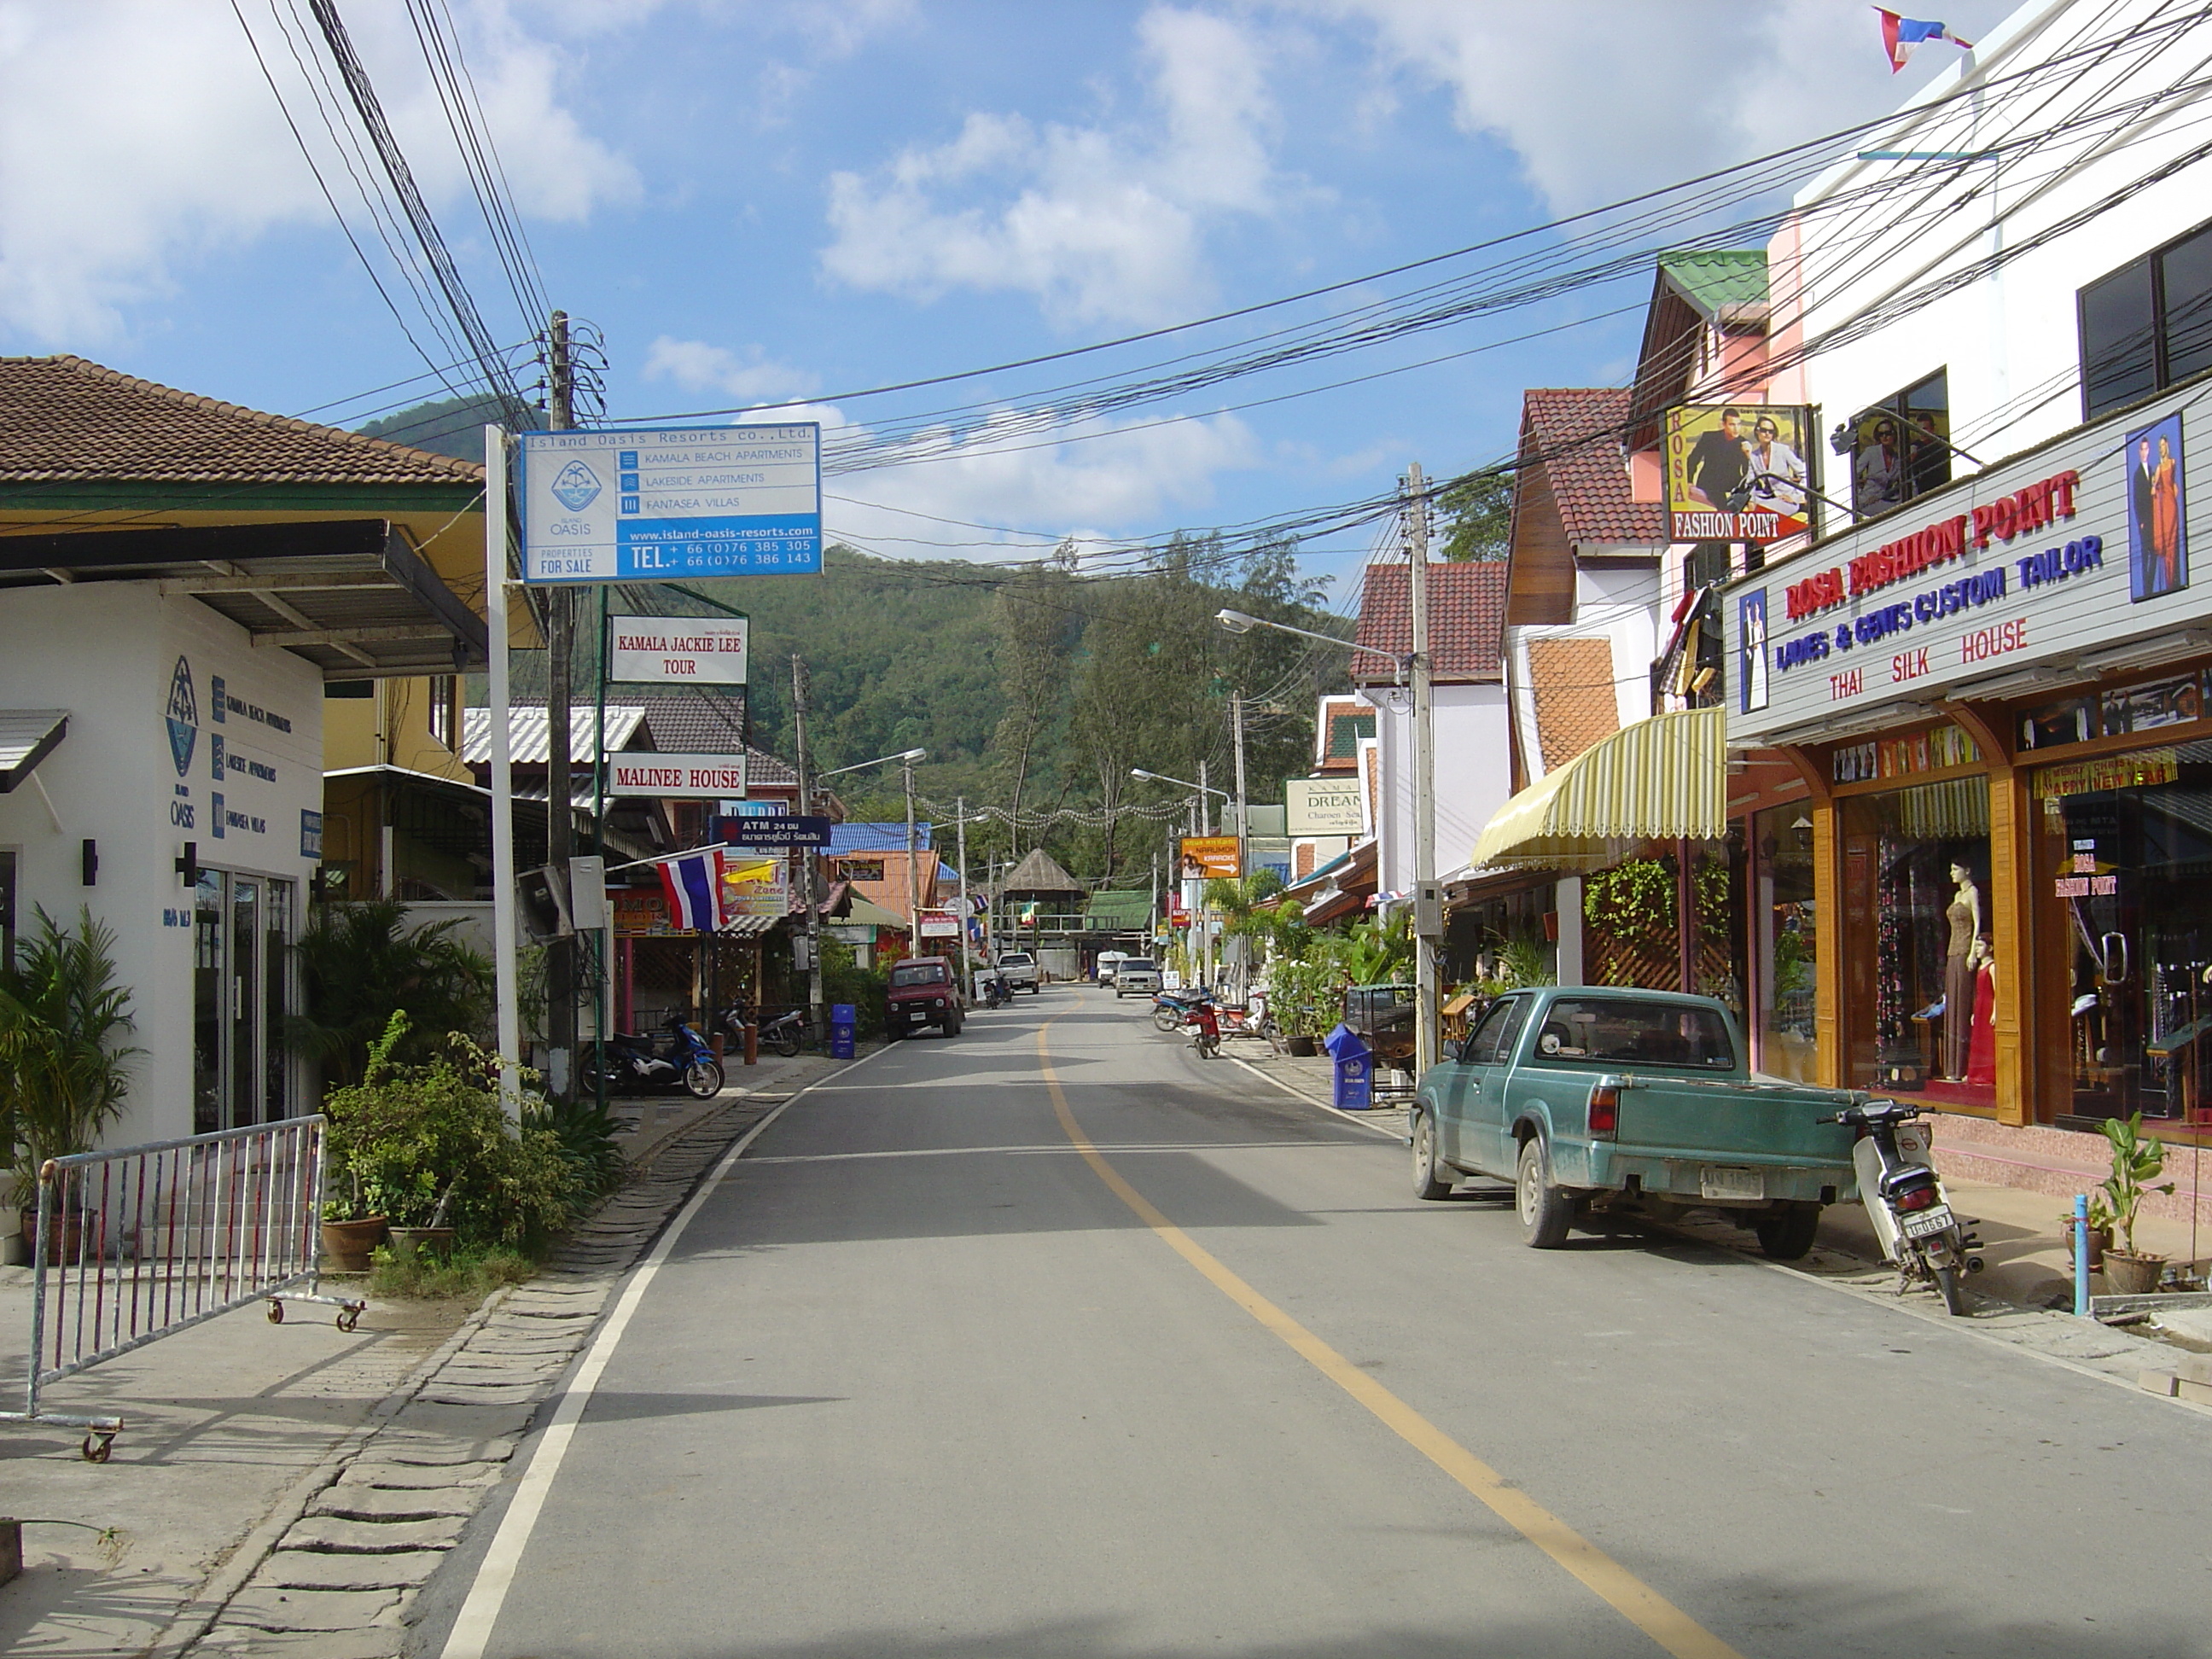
844,1018
1354,1090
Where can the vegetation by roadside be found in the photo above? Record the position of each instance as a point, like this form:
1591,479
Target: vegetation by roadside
469,1273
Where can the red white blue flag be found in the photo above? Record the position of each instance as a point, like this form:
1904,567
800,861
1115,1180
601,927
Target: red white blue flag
1901,35
692,884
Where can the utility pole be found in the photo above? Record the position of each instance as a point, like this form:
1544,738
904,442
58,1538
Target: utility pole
814,1008
505,998
1243,812
1428,910
913,867
559,647
960,829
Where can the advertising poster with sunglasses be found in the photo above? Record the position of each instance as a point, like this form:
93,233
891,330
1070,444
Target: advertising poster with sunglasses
1736,473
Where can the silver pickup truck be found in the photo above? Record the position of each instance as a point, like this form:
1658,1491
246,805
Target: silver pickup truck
1591,1098
1019,969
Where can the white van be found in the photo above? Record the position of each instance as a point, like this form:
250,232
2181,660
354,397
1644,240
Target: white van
1106,961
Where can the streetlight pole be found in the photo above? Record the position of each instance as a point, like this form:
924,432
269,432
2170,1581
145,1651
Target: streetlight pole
913,872
1428,912
816,1009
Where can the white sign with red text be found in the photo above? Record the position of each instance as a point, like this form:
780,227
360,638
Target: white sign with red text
677,650
682,777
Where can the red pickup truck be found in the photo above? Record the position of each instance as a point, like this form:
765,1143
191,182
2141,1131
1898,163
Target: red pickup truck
923,991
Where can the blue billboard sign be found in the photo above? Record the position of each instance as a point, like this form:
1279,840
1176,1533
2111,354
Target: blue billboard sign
672,505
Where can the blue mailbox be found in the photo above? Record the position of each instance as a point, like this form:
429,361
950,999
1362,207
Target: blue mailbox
843,1019
1354,1070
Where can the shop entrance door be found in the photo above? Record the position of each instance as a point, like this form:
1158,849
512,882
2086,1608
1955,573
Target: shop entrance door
242,977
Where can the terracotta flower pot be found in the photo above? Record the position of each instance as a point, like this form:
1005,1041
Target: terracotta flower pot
64,1236
2100,1240
2132,1275
408,1241
346,1244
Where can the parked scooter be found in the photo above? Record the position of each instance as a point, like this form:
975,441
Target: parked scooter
786,1033
1206,1030
997,993
1171,1010
635,1064
1905,1200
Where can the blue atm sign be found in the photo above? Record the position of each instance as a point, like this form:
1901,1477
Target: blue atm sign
678,504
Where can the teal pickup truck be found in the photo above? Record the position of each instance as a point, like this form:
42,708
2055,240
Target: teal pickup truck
1591,1099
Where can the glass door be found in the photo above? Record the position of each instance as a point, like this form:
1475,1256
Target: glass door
242,976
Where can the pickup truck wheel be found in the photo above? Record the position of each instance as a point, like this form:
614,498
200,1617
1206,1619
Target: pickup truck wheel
1431,1178
1545,1211
1788,1235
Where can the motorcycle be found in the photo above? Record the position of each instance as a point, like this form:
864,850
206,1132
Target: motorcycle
1206,1030
997,993
786,1033
631,1063
1171,1010
1905,1200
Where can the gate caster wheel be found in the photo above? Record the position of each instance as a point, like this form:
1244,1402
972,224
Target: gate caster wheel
97,1446
350,1316
275,1312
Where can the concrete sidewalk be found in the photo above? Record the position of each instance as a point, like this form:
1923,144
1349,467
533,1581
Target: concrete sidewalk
224,1424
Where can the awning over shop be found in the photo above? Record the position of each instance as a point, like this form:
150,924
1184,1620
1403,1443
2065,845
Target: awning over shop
866,912
1662,779
27,735
1119,911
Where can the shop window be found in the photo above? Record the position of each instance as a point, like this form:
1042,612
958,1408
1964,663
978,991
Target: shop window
1901,447
444,719
863,869
2122,861
2148,325
1919,959
691,818
348,688
1785,943
2171,700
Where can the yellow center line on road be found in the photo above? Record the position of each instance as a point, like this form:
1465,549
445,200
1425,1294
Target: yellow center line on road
1619,1589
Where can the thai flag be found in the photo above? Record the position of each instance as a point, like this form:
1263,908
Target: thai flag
1901,35
692,884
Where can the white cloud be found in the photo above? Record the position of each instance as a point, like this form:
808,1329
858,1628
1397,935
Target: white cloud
1601,98
1101,223
136,135
746,376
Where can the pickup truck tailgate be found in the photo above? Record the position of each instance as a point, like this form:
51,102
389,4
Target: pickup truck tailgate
1759,1123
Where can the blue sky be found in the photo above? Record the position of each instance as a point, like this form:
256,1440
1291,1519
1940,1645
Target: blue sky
759,202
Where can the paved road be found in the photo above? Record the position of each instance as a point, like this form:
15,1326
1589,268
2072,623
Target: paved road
922,1378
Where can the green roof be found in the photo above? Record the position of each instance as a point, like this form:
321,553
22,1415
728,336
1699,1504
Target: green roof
1120,909
1345,731
1717,279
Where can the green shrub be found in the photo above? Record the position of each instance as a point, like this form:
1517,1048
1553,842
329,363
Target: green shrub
430,1144
65,1068
843,980
586,1134
469,1273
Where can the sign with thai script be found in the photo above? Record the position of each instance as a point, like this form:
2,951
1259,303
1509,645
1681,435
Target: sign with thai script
2036,564
1322,806
754,887
789,831
1204,856
938,924
677,650
671,505
683,777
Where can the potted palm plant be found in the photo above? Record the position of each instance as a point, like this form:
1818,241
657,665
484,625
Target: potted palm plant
64,1066
2137,1161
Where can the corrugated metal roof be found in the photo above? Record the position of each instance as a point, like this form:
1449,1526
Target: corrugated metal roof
862,837
27,735
529,732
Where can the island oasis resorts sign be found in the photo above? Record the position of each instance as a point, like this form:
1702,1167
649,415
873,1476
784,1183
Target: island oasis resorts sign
2038,562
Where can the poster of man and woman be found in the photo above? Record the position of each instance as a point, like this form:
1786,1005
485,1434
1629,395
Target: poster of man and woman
2157,535
1736,473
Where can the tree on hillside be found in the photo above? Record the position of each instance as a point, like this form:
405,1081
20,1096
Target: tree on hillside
1477,510
1036,624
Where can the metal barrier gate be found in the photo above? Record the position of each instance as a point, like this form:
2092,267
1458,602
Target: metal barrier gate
134,1244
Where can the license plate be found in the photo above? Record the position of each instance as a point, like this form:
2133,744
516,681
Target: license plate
1922,1222
1732,1183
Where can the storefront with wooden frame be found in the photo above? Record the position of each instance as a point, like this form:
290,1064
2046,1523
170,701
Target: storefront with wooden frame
2000,865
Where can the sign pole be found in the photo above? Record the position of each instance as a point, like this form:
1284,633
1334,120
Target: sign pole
509,1026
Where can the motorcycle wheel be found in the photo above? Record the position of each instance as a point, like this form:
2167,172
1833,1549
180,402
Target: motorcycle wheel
787,1040
1164,1019
703,1078
1946,1275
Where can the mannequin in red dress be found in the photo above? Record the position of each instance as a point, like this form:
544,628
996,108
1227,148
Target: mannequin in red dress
1982,1044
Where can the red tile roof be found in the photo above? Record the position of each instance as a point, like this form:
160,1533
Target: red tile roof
1467,619
1572,679
65,420
1576,435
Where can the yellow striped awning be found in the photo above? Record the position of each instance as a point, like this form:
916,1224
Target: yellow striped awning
1662,779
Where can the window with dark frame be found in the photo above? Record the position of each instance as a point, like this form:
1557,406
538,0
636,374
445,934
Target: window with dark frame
444,688
1901,447
2148,325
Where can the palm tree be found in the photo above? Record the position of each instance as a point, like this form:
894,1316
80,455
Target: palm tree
65,1068
361,964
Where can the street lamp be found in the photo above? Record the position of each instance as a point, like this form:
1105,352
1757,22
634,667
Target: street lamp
907,759
1239,622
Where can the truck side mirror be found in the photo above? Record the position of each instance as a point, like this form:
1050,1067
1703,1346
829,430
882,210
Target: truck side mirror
1453,1048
